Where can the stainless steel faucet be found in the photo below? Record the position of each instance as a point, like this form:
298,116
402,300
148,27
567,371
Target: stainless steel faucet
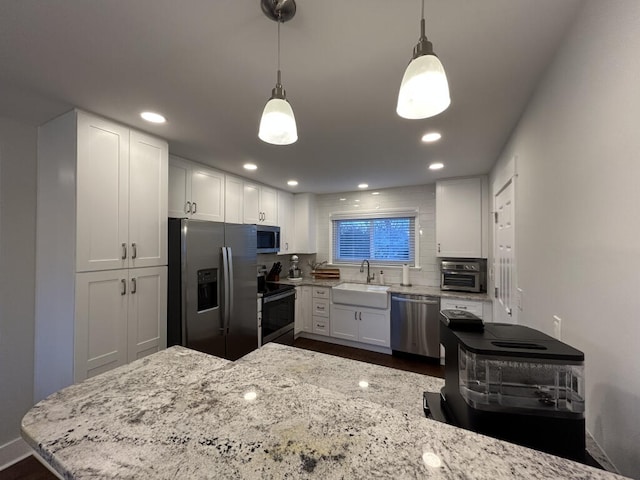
369,277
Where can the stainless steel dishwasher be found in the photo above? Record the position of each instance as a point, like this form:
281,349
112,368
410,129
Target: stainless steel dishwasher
415,324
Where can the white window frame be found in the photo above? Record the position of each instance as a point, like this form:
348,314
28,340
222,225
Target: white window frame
380,213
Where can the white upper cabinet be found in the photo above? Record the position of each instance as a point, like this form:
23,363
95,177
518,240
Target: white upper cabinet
462,218
233,199
195,191
286,222
305,223
260,204
121,197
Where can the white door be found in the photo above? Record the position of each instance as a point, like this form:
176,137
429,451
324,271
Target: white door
344,323
375,327
207,195
251,204
102,199
100,335
179,188
233,201
147,200
504,256
147,311
269,206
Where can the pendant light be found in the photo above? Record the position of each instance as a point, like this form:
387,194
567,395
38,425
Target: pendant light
278,124
424,91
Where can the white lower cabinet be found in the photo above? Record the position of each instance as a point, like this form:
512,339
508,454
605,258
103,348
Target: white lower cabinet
366,325
303,320
120,316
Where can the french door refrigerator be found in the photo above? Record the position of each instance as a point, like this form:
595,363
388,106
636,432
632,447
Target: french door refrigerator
212,289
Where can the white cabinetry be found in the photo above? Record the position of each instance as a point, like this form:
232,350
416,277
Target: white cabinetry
233,199
120,316
101,208
462,218
305,223
321,310
195,191
260,204
303,320
366,325
286,222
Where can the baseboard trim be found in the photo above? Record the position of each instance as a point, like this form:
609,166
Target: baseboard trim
13,451
345,343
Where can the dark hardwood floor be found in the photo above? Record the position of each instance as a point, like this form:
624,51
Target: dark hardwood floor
32,469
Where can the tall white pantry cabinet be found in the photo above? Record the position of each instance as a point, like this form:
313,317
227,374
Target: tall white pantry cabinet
101,248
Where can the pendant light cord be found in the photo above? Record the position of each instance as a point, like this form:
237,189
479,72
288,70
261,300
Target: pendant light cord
279,21
422,8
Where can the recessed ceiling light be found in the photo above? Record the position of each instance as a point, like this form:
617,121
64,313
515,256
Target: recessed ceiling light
436,166
292,183
342,199
363,185
153,117
357,200
431,137
375,193
250,166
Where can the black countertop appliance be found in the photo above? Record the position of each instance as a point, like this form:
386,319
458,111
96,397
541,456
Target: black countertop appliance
514,383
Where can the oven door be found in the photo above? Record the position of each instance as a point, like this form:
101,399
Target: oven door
278,317
460,281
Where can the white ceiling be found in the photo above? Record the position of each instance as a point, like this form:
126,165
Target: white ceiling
210,65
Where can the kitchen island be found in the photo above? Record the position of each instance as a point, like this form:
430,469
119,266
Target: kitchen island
279,412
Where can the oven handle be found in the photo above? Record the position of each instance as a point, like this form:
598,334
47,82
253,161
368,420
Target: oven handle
279,296
450,272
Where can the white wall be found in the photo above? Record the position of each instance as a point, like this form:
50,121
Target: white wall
422,197
577,150
17,275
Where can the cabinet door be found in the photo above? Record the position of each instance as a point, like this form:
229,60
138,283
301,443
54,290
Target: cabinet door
459,218
251,204
344,322
285,220
375,327
100,322
147,311
207,194
269,205
102,197
304,223
298,324
148,185
305,309
233,199
179,188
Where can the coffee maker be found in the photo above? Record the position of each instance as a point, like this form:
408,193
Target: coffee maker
294,272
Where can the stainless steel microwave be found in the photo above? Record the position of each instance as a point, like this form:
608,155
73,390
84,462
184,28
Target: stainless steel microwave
268,239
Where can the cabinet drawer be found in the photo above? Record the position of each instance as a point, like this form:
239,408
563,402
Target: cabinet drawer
321,292
320,325
467,305
320,307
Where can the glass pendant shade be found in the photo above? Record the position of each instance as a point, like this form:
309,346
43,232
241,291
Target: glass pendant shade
424,91
278,125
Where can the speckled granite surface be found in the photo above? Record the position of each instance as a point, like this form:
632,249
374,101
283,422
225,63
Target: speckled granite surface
183,414
396,288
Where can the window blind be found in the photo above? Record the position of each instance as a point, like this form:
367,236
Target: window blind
388,240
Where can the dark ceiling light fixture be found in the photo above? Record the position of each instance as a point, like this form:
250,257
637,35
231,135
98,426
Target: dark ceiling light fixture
424,91
278,124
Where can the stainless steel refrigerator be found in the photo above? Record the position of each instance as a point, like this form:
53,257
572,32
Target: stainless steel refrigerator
212,287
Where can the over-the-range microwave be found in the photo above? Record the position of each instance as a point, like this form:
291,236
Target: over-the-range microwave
268,239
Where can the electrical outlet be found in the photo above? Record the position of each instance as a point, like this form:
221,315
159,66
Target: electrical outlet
557,327
519,295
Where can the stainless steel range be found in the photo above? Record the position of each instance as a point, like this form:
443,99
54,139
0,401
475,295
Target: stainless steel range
278,313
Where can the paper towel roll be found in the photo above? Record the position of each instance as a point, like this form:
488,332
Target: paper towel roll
405,274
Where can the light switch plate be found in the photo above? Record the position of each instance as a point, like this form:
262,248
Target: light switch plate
557,327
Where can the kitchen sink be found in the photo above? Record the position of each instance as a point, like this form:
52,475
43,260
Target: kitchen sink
361,294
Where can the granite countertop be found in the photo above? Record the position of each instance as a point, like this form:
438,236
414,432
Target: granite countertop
394,288
184,414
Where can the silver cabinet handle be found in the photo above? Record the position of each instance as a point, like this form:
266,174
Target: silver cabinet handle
360,316
286,246
438,248
460,307
195,207
355,315
187,207
134,250
134,285
124,251
123,284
